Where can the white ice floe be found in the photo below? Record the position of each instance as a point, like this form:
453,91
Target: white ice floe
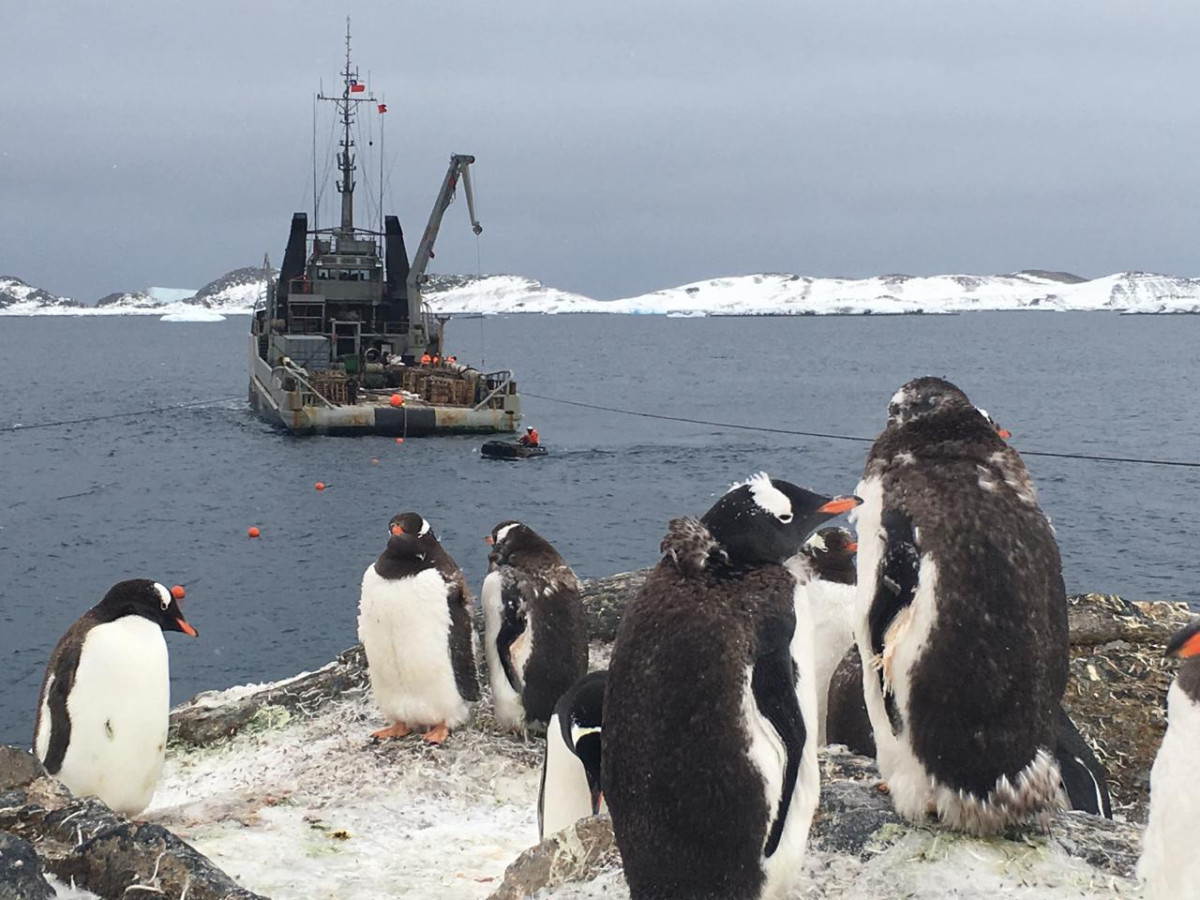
193,315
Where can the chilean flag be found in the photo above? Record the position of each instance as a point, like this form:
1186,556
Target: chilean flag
355,87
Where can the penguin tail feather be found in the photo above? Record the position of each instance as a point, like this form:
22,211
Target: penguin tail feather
1033,795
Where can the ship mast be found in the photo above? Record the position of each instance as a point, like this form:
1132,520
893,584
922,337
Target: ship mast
346,159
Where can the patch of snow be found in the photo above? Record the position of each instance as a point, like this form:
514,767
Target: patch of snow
170,295
193,315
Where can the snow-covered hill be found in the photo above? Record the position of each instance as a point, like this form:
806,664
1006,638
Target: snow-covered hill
781,294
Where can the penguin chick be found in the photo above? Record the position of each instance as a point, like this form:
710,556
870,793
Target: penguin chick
535,630
709,764
1170,867
102,717
570,788
414,622
963,636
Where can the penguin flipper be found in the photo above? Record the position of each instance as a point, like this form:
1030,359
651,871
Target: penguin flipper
66,664
462,640
773,683
1083,775
513,621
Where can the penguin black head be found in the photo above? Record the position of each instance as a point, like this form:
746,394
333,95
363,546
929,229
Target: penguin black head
764,520
831,552
996,426
925,397
409,525
150,600
1185,645
581,717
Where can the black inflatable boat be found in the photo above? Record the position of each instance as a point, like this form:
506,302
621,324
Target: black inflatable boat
510,450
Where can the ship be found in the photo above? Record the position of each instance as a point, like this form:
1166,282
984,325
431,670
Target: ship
341,342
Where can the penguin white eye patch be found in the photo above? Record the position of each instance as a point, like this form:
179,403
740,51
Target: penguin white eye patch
164,596
503,532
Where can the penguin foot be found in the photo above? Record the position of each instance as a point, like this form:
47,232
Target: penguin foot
398,730
883,787
437,734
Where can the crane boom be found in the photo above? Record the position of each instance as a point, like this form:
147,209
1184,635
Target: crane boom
459,167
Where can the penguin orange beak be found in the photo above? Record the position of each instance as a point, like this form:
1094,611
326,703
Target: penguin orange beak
489,540
1186,644
396,530
186,628
852,547
1004,433
840,505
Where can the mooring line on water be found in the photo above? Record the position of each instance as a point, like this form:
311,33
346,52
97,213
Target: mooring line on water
1178,463
122,415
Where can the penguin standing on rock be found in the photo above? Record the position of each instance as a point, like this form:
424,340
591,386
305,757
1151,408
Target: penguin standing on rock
570,787
414,622
963,628
102,717
709,764
826,571
1170,866
535,631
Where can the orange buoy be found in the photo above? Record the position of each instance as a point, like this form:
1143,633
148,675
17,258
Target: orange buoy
178,592
320,485
253,531
399,440
397,400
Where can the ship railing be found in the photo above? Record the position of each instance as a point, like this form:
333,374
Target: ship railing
500,381
309,395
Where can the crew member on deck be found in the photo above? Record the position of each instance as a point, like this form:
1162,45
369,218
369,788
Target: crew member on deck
529,438
426,359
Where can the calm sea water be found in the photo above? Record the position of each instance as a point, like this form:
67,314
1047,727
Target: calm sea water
169,496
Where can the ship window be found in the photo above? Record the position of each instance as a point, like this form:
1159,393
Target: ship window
322,275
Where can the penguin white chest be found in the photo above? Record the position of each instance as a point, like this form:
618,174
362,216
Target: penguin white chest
1169,865
118,707
565,796
404,625
506,699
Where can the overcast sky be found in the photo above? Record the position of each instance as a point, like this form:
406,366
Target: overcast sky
622,146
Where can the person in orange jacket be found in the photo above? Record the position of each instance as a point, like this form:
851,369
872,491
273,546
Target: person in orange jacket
529,438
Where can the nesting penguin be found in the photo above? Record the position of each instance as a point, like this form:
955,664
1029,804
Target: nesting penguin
570,788
1170,867
709,765
415,625
535,632
102,716
825,569
963,622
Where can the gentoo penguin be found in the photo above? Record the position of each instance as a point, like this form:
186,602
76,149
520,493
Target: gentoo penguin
414,621
826,572
535,633
963,622
102,718
1083,775
571,774
709,765
1170,866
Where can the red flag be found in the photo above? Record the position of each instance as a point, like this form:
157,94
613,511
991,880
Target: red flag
356,88
383,107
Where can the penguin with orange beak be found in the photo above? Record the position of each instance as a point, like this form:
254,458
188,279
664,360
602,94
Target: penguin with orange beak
102,717
1170,867
414,621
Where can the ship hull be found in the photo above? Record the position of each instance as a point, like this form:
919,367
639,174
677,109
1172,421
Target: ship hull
289,410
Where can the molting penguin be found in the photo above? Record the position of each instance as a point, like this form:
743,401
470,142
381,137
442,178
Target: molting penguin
535,632
414,622
963,633
826,574
102,718
571,773
709,765
1170,866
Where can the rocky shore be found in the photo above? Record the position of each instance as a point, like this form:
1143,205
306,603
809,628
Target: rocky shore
278,786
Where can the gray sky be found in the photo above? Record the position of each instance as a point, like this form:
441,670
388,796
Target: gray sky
622,147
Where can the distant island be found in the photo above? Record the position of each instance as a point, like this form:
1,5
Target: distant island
235,293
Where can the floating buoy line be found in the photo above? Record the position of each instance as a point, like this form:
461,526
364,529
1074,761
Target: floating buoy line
616,410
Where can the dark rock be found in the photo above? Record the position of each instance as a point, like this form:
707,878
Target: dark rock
21,871
605,599
853,810
81,839
199,721
577,853
18,767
